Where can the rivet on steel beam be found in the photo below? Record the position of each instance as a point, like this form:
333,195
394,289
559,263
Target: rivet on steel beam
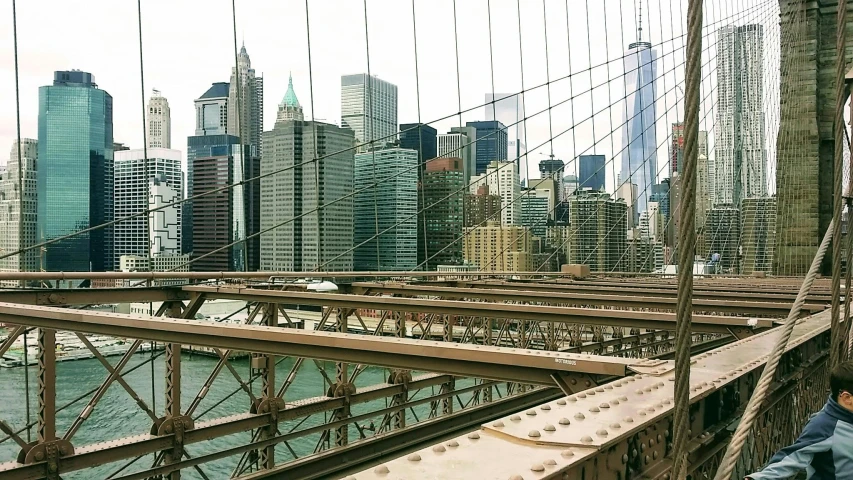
615,425
534,434
564,421
628,420
546,407
474,436
601,433
651,442
647,389
599,389
567,453
659,405
538,467
573,399
591,393
439,449
660,438
550,462
646,459
623,398
615,401
608,387
381,470
604,405
561,402
579,416
515,418
655,455
498,424
586,439
581,395
650,409
639,392
453,443
625,458
642,413
594,410
667,401
632,379
414,457
550,428
532,413
516,477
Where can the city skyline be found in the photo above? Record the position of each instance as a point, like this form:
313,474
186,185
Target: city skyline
180,77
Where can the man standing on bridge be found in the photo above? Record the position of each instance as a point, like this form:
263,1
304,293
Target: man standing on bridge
825,448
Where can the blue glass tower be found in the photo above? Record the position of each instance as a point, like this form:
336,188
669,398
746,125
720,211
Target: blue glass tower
75,178
639,139
591,172
491,143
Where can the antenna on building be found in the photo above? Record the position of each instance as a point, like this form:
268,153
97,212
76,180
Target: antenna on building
640,28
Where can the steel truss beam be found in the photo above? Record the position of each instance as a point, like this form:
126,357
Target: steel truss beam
521,294
481,361
539,313
93,296
622,429
625,289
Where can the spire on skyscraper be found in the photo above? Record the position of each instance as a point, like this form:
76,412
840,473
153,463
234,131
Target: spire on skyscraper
640,23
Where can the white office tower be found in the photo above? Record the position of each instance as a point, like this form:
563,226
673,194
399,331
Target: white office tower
246,95
739,165
460,143
509,110
159,122
133,195
165,219
639,141
502,179
13,234
369,108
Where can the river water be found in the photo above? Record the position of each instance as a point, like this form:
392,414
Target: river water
117,415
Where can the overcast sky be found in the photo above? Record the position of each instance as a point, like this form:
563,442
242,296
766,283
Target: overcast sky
189,44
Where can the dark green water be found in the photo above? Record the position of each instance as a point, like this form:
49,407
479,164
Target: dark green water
117,415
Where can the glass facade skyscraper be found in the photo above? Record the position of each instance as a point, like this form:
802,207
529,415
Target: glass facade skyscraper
491,144
75,178
639,139
591,172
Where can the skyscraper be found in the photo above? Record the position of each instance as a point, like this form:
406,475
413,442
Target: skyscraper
369,109
496,248
159,122
443,185
303,229
502,180
639,139
227,217
246,103
211,124
14,236
385,210
460,143
133,195
75,181
597,232
591,172
491,144
722,235
421,138
508,109
676,148
740,170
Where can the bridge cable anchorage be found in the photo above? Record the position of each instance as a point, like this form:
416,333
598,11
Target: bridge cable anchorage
687,241
744,428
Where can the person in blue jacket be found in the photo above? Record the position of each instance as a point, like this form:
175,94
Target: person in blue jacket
825,448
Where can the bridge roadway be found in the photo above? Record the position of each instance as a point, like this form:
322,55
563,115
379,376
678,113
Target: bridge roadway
621,427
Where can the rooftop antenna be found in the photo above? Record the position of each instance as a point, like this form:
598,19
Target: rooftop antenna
640,28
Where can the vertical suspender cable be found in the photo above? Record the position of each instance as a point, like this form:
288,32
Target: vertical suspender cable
316,159
687,240
421,161
243,141
372,115
840,100
20,199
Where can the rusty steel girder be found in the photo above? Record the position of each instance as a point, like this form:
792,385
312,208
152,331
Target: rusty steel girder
622,429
